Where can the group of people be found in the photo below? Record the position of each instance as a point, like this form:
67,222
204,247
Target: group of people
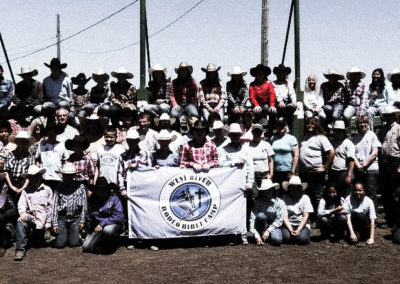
65,153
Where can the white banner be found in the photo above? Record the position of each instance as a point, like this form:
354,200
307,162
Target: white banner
173,202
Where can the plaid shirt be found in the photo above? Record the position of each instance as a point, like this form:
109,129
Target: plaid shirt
357,96
84,167
142,160
17,163
181,93
333,94
158,91
212,95
206,154
391,140
6,92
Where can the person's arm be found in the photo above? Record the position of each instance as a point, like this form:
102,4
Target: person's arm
353,236
350,171
252,97
222,99
84,207
278,221
371,240
250,171
121,174
303,223
214,156
54,212
330,156
322,211
184,160
253,229
270,167
49,204
91,168
364,103
371,158
117,215
287,224
295,155
272,96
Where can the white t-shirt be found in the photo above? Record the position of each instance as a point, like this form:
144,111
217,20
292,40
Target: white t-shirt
149,143
364,206
344,150
68,133
312,151
260,153
296,208
107,159
51,156
363,144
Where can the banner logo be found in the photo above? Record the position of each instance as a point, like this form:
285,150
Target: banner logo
189,202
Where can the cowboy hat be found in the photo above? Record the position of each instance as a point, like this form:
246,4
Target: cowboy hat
236,71
200,125
164,117
100,73
26,69
157,67
93,118
68,169
257,126
132,134
355,69
102,184
390,110
122,71
282,68
51,125
55,63
261,67
33,170
78,139
294,180
218,124
22,134
235,128
267,184
333,73
184,65
164,135
339,125
394,72
281,121
80,79
210,68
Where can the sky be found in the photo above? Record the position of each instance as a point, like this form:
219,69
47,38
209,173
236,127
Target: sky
333,34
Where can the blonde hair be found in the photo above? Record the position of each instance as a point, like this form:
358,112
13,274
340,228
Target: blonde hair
307,87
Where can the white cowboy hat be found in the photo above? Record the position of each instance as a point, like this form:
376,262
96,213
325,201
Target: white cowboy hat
122,71
394,72
157,67
339,124
235,128
294,180
332,72
27,69
355,69
164,135
218,124
22,134
132,134
211,68
32,171
390,110
267,184
184,65
236,71
68,169
100,73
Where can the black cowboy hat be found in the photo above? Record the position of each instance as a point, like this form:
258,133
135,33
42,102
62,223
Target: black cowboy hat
200,125
282,68
261,67
78,139
51,125
102,183
80,79
55,63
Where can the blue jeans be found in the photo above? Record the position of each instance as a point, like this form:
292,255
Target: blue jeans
24,230
205,113
97,239
303,239
190,109
333,112
371,112
262,225
68,231
155,110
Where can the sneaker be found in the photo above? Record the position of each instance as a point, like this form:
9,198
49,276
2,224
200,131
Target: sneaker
244,239
154,248
130,247
19,255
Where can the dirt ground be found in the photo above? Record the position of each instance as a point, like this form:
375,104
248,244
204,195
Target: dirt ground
318,262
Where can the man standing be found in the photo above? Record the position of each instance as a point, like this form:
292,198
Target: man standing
6,94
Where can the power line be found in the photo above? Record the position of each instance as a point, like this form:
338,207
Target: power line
75,34
136,42
31,44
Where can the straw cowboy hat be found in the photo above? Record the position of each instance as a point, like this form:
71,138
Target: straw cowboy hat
218,124
355,69
27,70
210,68
261,67
80,79
339,125
122,71
164,135
100,73
33,170
55,63
132,134
394,72
236,71
267,184
22,134
333,73
390,110
235,128
164,117
68,169
157,67
184,65
282,68
78,139
294,180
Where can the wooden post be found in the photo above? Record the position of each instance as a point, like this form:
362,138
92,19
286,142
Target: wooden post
8,61
264,32
58,38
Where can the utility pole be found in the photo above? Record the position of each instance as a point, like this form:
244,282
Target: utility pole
297,45
58,38
6,56
264,32
142,94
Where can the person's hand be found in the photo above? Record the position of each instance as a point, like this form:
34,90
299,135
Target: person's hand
319,170
217,109
260,242
295,233
176,108
348,179
316,110
236,109
257,109
281,104
24,217
289,175
398,170
89,193
265,236
370,241
132,166
124,194
55,230
339,208
81,226
159,101
15,189
272,109
197,167
206,167
360,167
353,238
98,228
242,109
240,162
269,176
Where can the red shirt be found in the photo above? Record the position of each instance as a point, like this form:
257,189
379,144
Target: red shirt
262,94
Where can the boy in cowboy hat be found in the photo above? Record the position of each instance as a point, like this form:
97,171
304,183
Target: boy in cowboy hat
57,88
164,157
69,208
6,94
99,94
80,95
34,208
267,214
